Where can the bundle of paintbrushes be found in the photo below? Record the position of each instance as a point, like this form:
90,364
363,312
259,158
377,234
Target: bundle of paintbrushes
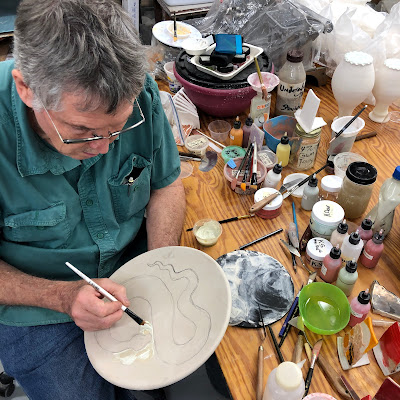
245,178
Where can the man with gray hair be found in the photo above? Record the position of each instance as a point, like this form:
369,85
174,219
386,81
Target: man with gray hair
89,173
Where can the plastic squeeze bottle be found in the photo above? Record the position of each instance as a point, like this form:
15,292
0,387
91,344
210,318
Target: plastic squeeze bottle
246,132
389,198
359,308
259,108
285,382
339,234
331,265
310,194
347,277
236,134
273,176
292,78
365,230
372,250
283,151
351,248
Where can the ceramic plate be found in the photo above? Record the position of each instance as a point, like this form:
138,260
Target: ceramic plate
256,279
298,192
160,32
185,296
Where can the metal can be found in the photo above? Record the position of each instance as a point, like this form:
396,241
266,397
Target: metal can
304,148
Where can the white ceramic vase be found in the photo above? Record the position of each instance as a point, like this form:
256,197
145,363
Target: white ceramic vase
352,81
386,89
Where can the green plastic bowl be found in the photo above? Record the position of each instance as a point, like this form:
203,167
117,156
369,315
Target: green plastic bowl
324,308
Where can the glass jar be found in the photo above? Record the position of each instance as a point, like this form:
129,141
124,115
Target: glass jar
304,148
357,188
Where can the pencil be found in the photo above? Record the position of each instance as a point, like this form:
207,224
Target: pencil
104,292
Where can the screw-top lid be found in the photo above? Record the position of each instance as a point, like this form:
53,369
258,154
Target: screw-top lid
343,227
378,237
366,224
288,375
249,121
313,182
351,266
354,238
331,183
361,172
364,297
396,173
335,252
277,168
237,124
284,140
294,56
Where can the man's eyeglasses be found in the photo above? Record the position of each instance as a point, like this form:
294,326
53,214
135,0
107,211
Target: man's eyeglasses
95,136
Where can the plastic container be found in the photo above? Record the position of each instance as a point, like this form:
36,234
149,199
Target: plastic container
359,308
347,278
330,187
274,208
365,230
372,250
276,127
317,249
325,217
268,158
246,132
207,231
236,134
197,144
173,83
285,382
310,194
229,173
339,234
331,265
351,248
324,308
343,160
273,177
219,129
319,396
357,188
345,141
283,151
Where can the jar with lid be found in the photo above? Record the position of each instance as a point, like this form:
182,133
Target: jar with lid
357,188
304,148
330,187
326,215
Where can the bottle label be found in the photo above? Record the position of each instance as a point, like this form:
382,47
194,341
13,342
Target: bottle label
355,313
261,106
324,270
289,96
306,156
367,255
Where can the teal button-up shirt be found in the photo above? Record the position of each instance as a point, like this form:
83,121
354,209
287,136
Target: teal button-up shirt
55,209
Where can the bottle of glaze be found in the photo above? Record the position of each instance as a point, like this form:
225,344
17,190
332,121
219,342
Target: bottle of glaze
273,176
359,308
331,265
246,132
339,234
347,277
283,151
372,250
351,248
236,134
310,194
365,230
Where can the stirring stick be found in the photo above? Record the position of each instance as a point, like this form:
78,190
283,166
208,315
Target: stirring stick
104,292
213,140
263,88
348,124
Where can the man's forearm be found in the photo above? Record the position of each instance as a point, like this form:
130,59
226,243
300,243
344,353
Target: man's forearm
165,215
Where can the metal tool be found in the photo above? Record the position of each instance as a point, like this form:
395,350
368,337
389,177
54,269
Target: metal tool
262,203
315,353
353,394
296,253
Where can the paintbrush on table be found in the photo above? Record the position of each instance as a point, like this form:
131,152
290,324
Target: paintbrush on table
247,170
347,125
260,363
315,351
224,221
261,238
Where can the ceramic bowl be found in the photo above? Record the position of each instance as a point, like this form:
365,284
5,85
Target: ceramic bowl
324,308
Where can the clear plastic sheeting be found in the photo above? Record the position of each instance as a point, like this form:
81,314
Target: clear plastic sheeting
275,25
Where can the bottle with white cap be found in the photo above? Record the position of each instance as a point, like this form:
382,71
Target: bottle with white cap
351,248
285,382
330,187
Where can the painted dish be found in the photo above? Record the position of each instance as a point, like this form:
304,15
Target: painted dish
256,279
160,32
184,295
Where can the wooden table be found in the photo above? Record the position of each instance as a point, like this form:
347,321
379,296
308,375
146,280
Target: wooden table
209,195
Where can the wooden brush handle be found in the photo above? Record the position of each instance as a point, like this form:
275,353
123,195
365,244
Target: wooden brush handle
262,203
296,358
260,374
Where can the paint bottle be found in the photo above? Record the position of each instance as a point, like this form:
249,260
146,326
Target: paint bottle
274,176
351,248
285,382
347,277
292,78
259,108
359,308
283,151
236,134
365,230
246,131
372,250
339,234
310,194
331,265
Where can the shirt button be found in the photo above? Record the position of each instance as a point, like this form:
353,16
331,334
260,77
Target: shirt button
100,236
89,202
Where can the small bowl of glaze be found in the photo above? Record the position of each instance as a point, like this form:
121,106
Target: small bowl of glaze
207,231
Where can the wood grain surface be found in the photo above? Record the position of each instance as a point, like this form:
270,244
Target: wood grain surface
209,195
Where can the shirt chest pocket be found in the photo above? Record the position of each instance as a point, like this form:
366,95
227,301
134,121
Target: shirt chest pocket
130,188
46,228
